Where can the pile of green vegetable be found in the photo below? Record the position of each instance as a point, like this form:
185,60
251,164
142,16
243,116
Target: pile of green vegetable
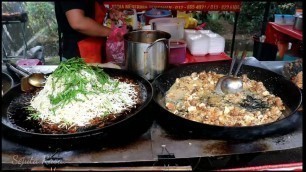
70,72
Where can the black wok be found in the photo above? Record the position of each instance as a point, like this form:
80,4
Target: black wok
181,127
129,127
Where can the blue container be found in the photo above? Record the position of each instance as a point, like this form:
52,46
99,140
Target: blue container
156,13
284,19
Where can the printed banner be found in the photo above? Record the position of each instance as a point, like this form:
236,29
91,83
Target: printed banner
182,6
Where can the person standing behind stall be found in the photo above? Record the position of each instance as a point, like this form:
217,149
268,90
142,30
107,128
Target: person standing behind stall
81,30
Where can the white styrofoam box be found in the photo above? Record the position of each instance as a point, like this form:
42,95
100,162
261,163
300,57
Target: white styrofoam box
205,31
216,43
174,26
197,43
193,31
188,31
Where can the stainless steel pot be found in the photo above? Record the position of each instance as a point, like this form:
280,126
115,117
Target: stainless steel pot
146,52
298,22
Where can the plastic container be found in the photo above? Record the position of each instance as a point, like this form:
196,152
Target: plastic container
177,51
202,42
205,31
146,27
174,26
156,13
216,43
193,31
198,44
131,18
298,11
284,19
298,22
187,32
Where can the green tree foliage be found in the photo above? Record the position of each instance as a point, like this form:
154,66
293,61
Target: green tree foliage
251,17
283,8
42,15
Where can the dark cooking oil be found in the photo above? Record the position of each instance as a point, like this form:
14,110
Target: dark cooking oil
18,114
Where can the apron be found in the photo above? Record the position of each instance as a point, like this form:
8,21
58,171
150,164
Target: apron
92,48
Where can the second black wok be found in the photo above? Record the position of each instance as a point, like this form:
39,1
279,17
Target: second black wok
182,127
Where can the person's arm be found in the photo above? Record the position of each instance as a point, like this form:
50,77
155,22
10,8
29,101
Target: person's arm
79,22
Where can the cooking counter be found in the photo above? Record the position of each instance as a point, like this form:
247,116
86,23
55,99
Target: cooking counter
155,147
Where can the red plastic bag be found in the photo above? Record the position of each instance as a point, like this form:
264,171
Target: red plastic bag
115,46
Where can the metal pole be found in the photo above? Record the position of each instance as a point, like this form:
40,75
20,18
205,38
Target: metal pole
234,33
24,39
3,48
265,18
263,29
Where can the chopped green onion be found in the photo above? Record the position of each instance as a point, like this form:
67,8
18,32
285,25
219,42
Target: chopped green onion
75,83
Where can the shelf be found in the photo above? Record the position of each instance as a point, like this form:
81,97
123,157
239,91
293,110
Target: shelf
207,58
14,18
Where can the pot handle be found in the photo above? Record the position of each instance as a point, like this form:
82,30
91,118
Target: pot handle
158,40
17,71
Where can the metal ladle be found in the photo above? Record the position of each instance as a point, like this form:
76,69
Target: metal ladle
29,80
231,84
37,79
218,85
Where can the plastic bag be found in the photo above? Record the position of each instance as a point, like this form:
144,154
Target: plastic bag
115,46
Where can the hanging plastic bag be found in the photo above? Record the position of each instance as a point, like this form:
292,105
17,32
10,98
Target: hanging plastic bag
115,46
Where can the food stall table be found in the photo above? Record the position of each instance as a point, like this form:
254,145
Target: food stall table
155,147
207,58
276,31
281,35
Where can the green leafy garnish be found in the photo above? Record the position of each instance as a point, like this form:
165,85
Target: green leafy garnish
70,72
33,115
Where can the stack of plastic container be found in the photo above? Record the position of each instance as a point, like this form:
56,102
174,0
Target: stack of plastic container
202,42
197,43
216,43
189,31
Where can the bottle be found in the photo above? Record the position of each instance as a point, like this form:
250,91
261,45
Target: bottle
298,8
131,18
